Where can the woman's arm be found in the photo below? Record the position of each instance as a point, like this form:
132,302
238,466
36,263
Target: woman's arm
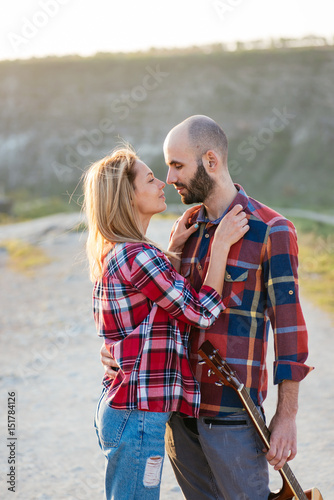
152,274
219,252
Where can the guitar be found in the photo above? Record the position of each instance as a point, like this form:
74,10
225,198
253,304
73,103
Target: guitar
291,489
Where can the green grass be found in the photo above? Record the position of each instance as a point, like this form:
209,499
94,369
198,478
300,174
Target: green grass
24,257
26,208
43,206
316,262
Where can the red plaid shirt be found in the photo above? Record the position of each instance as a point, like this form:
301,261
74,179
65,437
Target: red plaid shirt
261,284
144,308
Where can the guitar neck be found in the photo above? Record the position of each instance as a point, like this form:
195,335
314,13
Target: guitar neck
255,415
263,431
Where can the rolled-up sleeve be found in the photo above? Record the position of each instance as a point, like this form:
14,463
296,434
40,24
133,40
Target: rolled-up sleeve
283,305
153,275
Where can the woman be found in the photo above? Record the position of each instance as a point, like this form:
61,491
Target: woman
144,308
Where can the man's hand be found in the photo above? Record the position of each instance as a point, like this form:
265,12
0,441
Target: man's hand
283,439
109,364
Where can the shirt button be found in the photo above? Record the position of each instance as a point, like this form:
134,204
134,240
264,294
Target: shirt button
207,235
290,292
228,276
199,267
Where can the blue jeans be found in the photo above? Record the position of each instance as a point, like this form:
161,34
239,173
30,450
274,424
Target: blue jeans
218,459
133,443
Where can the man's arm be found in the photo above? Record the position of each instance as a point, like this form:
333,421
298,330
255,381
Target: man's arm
283,439
109,364
290,337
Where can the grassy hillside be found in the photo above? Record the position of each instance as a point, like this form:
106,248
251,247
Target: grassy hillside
58,115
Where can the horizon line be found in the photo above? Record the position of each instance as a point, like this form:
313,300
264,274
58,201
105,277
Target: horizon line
234,46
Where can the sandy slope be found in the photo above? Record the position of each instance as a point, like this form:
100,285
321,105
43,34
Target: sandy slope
50,356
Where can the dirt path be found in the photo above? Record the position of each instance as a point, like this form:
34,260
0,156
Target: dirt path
50,358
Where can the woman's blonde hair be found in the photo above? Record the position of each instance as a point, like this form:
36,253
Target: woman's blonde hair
111,215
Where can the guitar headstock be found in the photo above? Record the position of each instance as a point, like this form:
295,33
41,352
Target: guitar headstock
219,366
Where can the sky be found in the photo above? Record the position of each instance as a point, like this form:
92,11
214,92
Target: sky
37,28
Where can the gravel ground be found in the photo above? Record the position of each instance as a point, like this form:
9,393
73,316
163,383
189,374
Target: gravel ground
50,358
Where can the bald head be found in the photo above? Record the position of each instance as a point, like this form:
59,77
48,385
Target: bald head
200,134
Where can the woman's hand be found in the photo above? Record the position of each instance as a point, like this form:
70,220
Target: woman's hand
180,231
231,228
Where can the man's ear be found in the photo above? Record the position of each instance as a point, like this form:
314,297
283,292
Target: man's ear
210,161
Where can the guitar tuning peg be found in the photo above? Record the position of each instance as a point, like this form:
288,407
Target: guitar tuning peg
215,351
210,372
219,383
202,362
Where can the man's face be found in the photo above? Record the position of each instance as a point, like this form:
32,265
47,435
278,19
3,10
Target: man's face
198,188
187,174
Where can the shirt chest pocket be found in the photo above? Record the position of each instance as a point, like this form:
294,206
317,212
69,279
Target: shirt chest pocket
234,285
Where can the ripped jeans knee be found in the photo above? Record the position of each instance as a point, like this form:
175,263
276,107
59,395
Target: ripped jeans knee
152,474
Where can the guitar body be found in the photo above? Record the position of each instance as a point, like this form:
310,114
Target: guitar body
291,489
285,494
313,494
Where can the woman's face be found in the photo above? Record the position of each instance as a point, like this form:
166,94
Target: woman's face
149,196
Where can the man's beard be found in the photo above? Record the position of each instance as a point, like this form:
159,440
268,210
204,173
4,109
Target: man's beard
199,188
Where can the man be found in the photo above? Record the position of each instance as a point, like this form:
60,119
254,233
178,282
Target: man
219,456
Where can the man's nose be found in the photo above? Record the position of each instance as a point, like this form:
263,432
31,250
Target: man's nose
171,177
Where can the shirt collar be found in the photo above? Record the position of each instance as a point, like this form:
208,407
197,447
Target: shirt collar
241,198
